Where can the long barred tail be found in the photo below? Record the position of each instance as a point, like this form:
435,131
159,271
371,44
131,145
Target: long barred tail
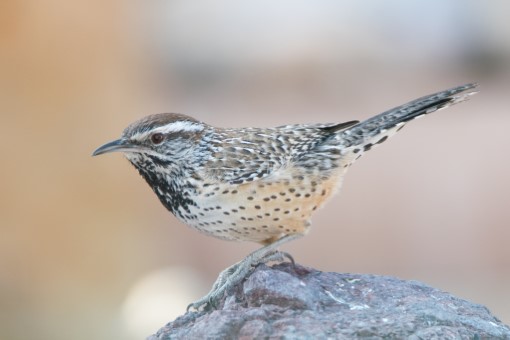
363,136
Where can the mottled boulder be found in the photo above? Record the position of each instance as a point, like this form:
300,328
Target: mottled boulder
302,303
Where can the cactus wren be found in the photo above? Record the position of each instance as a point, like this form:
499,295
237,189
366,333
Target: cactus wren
256,184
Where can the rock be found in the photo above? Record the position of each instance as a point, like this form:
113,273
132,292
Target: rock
302,303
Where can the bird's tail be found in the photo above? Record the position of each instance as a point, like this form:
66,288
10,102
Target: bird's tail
373,131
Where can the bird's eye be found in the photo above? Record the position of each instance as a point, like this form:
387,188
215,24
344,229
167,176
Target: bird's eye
157,138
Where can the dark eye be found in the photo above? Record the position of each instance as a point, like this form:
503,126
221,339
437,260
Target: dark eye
157,138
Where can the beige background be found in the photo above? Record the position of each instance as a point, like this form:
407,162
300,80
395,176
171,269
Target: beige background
88,252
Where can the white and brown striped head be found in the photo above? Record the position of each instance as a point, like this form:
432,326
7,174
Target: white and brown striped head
162,139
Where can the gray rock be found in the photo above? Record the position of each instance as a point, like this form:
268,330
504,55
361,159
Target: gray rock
287,302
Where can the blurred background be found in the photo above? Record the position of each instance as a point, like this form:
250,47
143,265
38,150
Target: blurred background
88,252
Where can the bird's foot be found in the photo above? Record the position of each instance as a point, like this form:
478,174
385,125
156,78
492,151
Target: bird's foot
234,274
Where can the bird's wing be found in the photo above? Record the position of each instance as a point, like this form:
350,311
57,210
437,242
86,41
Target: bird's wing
250,154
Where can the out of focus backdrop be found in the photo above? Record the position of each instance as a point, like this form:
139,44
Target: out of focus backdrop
88,252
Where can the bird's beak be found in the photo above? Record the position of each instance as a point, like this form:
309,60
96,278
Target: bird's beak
119,145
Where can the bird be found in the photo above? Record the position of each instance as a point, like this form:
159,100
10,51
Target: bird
256,184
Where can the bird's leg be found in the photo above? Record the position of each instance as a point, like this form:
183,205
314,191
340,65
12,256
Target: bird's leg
237,272
275,256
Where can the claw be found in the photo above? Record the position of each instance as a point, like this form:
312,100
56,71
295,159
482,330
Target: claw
234,274
290,258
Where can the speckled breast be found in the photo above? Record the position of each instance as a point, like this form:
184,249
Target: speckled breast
260,211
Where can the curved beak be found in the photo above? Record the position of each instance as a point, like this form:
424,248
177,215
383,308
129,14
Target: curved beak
119,145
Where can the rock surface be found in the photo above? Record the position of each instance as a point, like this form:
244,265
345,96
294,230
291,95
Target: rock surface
302,303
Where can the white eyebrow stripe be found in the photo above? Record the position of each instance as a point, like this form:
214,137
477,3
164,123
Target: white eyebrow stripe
182,126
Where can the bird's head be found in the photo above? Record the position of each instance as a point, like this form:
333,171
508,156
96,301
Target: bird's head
167,139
